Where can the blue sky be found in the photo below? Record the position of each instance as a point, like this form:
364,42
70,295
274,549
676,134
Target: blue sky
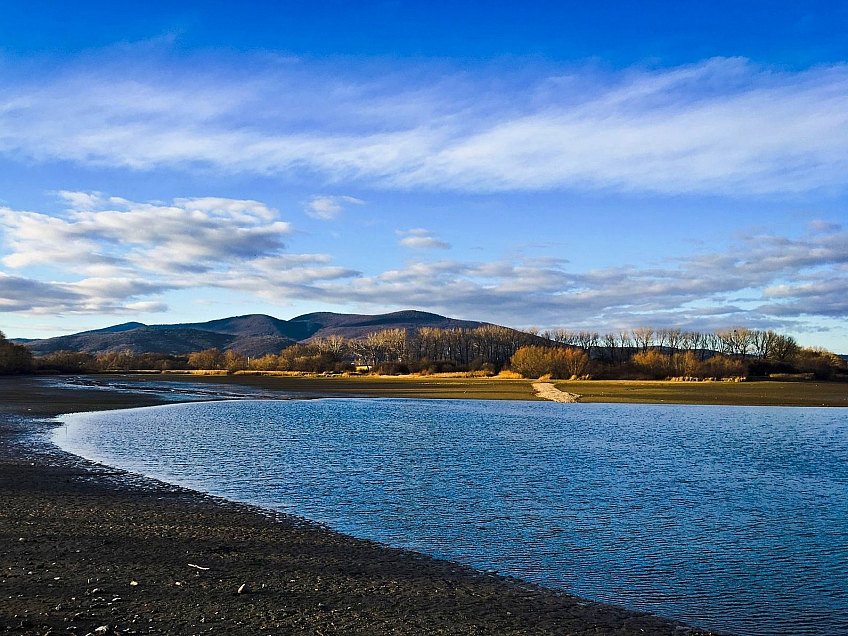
603,165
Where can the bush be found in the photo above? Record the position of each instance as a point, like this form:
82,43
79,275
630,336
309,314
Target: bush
392,368
721,367
14,358
535,362
66,362
653,364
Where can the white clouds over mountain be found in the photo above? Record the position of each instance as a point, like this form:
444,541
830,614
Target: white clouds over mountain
111,255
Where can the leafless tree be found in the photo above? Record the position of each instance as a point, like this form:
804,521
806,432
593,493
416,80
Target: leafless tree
675,339
610,341
643,337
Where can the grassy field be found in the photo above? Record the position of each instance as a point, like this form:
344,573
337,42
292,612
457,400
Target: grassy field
379,386
770,393
762,393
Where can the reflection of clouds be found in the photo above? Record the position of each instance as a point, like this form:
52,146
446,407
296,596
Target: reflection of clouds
723,126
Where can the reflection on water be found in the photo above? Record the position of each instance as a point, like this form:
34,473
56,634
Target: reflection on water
724,517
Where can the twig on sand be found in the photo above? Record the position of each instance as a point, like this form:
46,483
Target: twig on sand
548,391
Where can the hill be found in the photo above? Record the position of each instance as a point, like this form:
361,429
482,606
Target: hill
251,335
323,324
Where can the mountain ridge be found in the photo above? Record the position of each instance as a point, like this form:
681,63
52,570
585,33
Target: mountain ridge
249,334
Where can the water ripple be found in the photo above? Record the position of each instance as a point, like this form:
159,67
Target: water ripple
730,518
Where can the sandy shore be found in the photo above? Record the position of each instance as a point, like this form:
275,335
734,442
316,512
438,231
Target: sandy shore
548,391
85,549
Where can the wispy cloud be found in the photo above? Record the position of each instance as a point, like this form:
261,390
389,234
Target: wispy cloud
724,126
419,238
328,208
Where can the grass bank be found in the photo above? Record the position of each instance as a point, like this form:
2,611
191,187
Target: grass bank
753,393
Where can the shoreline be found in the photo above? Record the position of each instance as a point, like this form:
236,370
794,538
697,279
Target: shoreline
749,393
77,535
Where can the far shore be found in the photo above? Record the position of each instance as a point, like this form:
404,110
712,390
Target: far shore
88,549
748,393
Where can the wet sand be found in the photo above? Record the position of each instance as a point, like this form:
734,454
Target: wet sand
85,549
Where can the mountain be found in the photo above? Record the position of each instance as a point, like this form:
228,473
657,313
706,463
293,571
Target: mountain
138,340
124,326
323,324
252,335
250,326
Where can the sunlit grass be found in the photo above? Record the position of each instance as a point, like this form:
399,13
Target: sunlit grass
810,393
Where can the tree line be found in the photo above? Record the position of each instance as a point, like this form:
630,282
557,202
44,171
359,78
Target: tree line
643,352
14,358
429,350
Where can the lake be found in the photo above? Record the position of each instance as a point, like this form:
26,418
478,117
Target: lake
730,518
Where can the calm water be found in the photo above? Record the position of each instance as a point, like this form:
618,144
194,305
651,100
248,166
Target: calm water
723,517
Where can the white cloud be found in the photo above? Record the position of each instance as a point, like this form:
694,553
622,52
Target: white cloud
191,235
419,238
824,227
723,126
108,254
133,254
763,281
328,208
24,295
147,307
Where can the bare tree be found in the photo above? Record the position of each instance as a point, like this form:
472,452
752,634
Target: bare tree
763,341
661,337
564,337
611,347
333,346
675,339
784,348
586,340
643,337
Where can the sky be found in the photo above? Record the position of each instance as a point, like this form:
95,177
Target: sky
598,166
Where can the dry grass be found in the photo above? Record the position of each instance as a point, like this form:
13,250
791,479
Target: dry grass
509,375
756,393
505,387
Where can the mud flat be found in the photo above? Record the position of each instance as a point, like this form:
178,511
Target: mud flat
87,549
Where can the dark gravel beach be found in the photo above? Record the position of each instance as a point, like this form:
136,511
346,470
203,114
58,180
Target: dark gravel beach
88,550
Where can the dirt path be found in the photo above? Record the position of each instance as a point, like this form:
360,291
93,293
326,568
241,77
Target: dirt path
548,391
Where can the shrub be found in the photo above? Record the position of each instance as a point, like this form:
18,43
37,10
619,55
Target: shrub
721,367
653,364
535,362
